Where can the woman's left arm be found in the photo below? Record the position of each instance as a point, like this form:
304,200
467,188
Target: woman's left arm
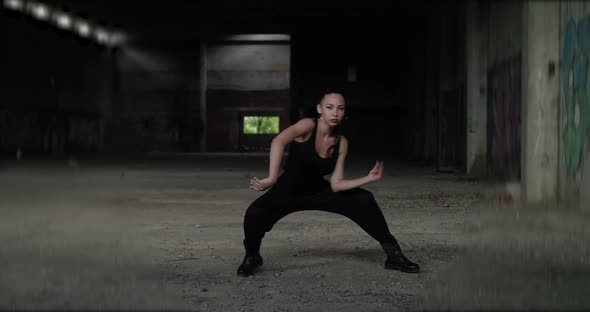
337,181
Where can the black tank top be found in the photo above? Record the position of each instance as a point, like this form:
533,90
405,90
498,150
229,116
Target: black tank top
304,169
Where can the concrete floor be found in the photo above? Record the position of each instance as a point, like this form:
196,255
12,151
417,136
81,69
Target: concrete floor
165,232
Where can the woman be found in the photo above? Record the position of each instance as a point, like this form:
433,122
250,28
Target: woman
316,151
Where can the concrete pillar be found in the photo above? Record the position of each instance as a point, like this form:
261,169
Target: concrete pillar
107,104
203,95
585,186
476,39
431,87
540,98
445,83
444,66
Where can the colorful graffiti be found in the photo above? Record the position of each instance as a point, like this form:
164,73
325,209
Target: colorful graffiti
576,91
504,120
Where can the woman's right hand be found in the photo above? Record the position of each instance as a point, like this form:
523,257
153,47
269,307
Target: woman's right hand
377,172
261,185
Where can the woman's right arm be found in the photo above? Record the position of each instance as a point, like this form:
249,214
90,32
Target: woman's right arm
277,148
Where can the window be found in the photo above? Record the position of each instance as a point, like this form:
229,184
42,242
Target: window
261,124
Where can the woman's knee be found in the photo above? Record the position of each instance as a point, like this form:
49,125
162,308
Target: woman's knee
255,212
265,209
363,195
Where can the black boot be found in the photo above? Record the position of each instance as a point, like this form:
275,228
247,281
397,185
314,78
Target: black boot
249,265
252,260
396,259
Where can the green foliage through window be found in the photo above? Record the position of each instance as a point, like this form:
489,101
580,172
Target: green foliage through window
261,124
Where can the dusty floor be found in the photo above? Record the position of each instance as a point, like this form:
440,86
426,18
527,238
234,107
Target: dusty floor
165,233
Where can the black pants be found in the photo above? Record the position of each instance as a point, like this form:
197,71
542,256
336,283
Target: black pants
357,204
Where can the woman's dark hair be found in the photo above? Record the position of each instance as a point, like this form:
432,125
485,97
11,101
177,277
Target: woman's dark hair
331,90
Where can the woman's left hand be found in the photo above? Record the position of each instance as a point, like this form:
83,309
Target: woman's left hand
261,185
377,172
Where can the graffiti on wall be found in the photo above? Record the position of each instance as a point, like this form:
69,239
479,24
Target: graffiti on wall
504,119
576,91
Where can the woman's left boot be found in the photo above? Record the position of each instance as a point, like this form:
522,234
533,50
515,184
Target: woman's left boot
396,259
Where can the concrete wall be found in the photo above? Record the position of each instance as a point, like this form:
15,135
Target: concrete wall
550,40
420,91
430,94
477,43
504,96
505,31
517,86
574,156
493,47
247,67
246,79
422,100
157,100
56,94
451,95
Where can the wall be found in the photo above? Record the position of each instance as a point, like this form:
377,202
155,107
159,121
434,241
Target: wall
429,93
451,112
157,98
422,102
506,31
575,102
554,137
158,94
248,67
477,42
56,94
504,100
493,49
245,79
504,120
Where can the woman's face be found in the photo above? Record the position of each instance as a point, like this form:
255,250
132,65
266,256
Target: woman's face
332,108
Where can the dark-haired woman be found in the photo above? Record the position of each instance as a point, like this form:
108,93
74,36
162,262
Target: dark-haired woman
315,152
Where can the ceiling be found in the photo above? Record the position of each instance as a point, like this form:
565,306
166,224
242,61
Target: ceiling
175,19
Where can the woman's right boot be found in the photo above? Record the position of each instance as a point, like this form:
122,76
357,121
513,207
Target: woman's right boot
252,260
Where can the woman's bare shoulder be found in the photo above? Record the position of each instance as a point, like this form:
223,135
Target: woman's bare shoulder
306,122
343,143
305,126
